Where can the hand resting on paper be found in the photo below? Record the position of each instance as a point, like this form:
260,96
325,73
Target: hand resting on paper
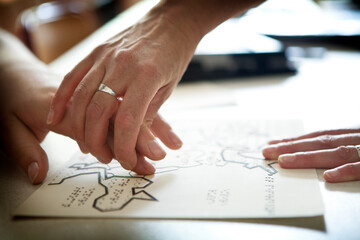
23,126
333,149
26,89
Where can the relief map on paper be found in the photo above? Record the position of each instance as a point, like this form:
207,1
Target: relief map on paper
218,173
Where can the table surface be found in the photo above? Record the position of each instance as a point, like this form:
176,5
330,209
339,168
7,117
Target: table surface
324,94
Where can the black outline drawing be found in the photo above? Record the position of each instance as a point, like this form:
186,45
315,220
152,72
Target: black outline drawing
106,168
194,157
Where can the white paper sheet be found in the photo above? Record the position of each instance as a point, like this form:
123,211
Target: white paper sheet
218,173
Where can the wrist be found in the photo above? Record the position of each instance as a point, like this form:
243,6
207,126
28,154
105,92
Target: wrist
177,17
195,18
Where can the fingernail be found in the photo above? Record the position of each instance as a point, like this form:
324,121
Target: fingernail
103,160
150,168
269,152
286,158
332,173
126,165
33,171
83,148
50,116
175,139
156,149
274,141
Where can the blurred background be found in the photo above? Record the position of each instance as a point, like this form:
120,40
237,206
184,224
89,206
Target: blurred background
49,28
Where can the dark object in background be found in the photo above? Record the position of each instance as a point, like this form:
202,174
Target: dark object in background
303,21
51,28
230,51
106,10
356,2
237,65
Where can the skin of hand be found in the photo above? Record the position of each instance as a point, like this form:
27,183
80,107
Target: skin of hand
334,149
26,90
26,93
142,64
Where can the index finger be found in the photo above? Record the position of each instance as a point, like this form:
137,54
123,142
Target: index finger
66,90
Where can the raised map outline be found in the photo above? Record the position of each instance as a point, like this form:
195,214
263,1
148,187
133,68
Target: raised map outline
107,175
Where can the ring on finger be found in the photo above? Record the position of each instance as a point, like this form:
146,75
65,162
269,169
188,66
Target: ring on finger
103,88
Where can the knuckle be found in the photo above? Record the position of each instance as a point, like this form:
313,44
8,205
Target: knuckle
95,110
99,49
127,120
124,55
81,91
68,76
326,141
344,153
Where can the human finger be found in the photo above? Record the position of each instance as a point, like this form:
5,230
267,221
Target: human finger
159,98
328,158
345,173
164,132
82,96
24,147
100,110
129,117
143,167
66,90
310,144
148,146
317,134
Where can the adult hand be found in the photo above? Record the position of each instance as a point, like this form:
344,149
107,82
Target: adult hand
334,149
26,92
24,102
142,65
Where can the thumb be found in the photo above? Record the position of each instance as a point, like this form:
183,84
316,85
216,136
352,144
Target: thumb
24,148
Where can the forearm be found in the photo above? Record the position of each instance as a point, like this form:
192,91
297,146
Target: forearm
198,17
12,51
29,78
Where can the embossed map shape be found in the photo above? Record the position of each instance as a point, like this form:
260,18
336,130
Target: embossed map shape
218,173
